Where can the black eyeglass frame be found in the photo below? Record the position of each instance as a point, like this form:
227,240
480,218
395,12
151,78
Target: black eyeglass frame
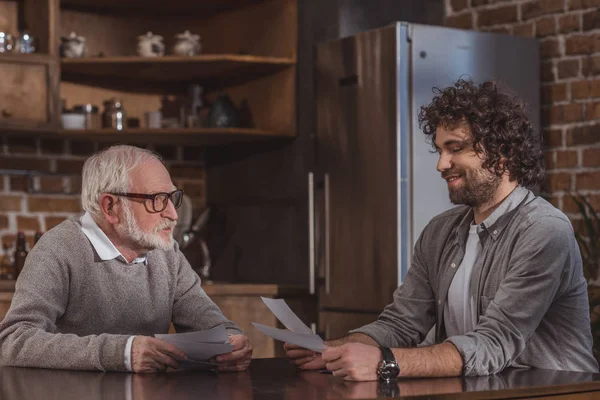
153,198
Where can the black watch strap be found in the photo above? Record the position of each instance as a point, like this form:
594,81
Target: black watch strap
387,354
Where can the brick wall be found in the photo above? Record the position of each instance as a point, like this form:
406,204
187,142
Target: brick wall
40,180
569,36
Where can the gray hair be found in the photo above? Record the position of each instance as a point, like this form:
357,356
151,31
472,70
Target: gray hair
108,171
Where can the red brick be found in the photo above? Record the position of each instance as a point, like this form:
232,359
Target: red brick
569,23
545,27
553,200
10,203
1,183
546,71
53,204
580,4
460,21
69,166
52,146
476,3
553,137
24,164
587,180
566,159
591,157
75,184
52,184
567,69
536,8
554,93
558,182
578,226
582,44
569,205
498,15
51,222
591,20
27,223
590,65
525,30
496,29
583,135
549,160
458,5
593,111
19,183
585,89
21,144
549,48
3,222
566,113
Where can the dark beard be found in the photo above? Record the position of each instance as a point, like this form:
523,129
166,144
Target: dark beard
477,190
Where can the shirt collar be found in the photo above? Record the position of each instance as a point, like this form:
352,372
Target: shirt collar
104,247
499,218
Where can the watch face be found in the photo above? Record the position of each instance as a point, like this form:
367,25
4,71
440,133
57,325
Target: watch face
388,370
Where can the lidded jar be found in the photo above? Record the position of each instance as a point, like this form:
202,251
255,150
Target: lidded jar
114,116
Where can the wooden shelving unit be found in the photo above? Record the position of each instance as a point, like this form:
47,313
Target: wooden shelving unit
198,136
174,7
213,70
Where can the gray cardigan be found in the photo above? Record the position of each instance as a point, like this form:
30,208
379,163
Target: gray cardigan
71,310
528,285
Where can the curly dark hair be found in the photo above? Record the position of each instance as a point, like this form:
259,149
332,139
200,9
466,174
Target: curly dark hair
498,123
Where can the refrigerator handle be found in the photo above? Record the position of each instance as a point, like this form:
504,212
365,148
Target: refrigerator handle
311,233
326,238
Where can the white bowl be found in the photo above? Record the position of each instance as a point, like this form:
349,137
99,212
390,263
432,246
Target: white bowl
73,121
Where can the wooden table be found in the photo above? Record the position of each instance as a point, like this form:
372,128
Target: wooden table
276,379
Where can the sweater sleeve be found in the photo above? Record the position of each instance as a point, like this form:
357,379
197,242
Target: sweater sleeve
193,310
28,334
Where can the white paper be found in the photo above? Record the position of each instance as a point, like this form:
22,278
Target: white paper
200,346
307,340
286,316
218,334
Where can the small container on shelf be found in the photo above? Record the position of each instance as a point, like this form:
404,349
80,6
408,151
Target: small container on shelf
7,265
71,120
187,44
73,46
114,116
25,43
90,113
150,45
6,42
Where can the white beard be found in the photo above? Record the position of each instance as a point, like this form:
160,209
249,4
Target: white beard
146,240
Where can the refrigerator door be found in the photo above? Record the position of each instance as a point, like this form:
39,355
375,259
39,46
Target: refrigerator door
440,56
356,89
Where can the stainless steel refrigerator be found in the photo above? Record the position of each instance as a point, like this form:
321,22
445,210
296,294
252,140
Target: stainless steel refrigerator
375,185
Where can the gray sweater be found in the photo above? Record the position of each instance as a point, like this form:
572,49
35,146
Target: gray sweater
71,310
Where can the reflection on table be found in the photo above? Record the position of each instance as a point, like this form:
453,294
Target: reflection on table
276,379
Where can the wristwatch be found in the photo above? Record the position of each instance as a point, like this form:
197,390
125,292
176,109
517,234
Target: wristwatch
388,368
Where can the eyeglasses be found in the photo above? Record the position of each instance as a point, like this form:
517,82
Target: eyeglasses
159,200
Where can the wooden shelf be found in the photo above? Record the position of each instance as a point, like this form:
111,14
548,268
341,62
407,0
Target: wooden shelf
197,136
30,58
173,7
211,70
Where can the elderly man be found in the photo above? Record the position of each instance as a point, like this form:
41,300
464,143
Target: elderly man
95,289
500,276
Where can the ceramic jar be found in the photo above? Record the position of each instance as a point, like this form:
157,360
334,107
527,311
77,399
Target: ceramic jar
25,43
223,113
6,42
73,46
150,45
187,44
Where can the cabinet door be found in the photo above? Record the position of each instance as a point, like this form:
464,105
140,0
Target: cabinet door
28,91
334,325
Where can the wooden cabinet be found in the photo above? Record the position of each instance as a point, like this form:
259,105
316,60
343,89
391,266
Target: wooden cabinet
248,53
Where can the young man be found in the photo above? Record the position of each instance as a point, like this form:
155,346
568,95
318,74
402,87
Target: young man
500,276
95,289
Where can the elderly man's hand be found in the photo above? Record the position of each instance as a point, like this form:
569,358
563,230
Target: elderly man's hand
303,358
353,361
153,355
239,358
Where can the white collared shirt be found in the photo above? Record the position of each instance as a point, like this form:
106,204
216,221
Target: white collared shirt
107,251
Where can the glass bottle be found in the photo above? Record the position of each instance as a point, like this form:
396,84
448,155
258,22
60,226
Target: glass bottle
37,237
7,266
114,116
20,253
